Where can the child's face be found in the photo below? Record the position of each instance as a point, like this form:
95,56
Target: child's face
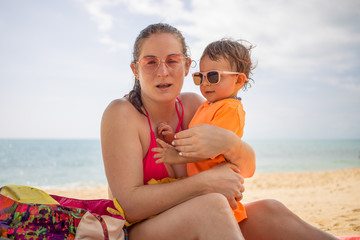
228,85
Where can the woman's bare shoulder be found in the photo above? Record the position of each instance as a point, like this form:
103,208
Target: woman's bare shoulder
120,110
121,122
118,104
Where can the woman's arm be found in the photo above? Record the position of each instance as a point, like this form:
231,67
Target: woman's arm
123,148
206,141
241,154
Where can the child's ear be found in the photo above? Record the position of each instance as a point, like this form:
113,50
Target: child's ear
241,80
133,68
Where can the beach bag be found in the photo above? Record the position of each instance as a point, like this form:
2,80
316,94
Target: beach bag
30,213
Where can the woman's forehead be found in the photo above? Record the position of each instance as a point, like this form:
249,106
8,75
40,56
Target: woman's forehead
161,45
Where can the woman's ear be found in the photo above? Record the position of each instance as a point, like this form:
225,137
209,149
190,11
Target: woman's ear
134,70
241,80
187,65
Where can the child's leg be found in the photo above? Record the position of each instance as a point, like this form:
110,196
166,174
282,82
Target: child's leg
180,170
170,170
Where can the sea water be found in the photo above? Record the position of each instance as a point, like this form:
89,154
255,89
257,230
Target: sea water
67,164
306,155
51,163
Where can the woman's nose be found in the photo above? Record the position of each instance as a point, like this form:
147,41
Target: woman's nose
163,69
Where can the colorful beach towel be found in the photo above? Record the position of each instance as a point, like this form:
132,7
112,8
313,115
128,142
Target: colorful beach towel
69,219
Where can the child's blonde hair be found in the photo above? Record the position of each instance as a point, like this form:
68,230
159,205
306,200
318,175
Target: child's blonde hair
235,52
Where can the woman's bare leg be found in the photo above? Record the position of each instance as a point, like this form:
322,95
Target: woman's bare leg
270,219
206,217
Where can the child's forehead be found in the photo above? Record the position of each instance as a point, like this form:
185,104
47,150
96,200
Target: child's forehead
207,64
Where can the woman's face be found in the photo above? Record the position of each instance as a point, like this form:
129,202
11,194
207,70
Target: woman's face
164,83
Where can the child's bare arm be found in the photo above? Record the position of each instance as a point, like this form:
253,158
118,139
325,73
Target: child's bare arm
165,132
166,153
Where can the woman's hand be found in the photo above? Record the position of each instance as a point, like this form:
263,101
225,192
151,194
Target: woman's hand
202,141
206,141
225,179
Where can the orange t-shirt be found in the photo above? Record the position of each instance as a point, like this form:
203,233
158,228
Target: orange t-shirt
229,114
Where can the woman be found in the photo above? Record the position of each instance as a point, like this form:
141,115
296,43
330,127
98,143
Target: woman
196,207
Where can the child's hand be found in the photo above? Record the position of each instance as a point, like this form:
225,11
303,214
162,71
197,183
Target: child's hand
166,153
165,132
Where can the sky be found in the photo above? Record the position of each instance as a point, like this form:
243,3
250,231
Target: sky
63,61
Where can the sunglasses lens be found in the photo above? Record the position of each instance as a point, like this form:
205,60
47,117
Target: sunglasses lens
197,78
174,61
149,64
213,77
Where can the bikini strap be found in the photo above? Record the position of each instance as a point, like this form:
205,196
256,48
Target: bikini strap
180,117
147,115
178,113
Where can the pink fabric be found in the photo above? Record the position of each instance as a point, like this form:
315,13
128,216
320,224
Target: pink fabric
97,206
150,168
349,238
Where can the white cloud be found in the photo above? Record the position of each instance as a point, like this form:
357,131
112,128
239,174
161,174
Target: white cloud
349,83
165,8
104,21
314,41
296,36
113,45
292,37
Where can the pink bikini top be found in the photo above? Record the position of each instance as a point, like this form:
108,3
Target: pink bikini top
150,168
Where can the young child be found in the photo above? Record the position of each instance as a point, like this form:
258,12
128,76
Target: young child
225,68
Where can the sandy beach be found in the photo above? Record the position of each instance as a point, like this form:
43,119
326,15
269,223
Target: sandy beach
328,200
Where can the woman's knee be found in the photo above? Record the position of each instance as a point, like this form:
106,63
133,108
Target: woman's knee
212,208
215,201
272,205
216,214
267,209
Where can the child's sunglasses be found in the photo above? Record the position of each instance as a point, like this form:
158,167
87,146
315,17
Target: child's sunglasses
213,77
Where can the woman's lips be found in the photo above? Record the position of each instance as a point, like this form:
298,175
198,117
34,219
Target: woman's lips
166,85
